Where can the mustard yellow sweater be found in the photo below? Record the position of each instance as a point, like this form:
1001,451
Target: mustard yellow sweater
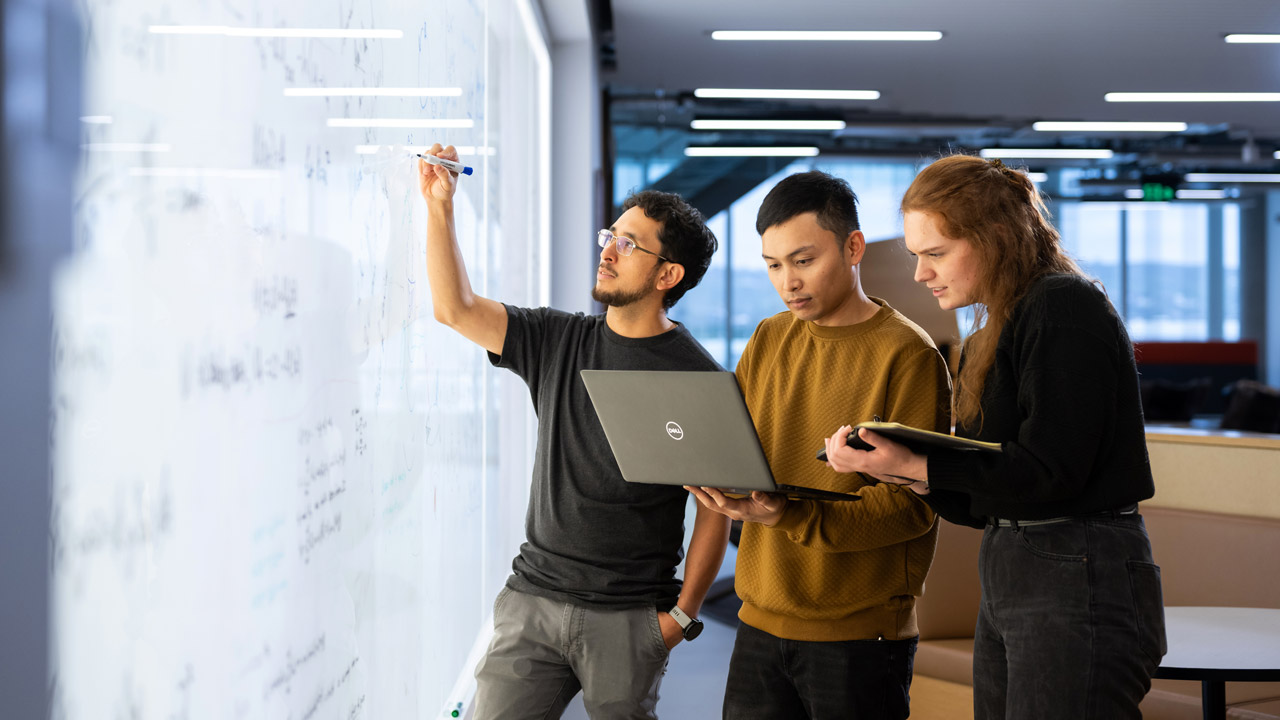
838,570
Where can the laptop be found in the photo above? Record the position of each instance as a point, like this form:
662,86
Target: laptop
685,428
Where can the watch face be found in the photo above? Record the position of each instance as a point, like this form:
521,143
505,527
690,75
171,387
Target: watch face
694,629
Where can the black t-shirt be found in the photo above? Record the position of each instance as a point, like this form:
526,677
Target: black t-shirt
591,537
1062,399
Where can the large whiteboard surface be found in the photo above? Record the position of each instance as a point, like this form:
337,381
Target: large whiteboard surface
281,489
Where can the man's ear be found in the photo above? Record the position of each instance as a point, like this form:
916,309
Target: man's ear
856,245
670,276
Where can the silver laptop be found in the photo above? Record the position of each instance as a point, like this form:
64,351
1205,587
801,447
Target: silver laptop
685,428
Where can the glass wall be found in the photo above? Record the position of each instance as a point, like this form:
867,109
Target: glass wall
1172,269
736,294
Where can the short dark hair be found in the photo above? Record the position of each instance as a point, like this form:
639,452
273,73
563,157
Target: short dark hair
684,235
814,191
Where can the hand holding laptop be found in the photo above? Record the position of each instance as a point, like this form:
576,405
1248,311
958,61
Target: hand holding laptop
758,507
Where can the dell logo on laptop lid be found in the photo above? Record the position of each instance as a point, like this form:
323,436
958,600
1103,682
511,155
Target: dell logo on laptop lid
674,430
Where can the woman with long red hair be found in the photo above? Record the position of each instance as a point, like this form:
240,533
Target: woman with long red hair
1071,623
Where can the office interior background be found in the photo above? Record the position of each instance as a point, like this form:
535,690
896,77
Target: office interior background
1151,126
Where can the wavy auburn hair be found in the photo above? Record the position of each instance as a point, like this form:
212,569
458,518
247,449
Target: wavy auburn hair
999,212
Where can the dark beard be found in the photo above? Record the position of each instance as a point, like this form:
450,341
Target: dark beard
622,298
617,298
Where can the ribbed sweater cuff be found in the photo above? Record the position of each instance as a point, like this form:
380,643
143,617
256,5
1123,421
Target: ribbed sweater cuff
948,470
795,517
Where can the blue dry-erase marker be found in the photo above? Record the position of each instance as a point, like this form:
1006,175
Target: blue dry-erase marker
447,164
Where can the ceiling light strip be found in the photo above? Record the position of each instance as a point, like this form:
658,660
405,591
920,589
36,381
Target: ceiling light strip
1232,177
779,94
767,125
1047,153
1209,194
1192,97
830,35
1053,126
1246,38
807,151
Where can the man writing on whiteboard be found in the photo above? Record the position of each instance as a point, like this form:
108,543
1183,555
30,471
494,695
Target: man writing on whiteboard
593,602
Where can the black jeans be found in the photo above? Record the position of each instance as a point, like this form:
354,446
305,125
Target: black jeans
1071,623
775,679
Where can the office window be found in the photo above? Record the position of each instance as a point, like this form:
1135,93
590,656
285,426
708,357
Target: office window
704,310
1091,234
1171,269
879,187
1167,295
1231,290
628,176
634,174
736,293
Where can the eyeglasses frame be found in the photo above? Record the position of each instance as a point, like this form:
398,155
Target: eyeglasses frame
634,246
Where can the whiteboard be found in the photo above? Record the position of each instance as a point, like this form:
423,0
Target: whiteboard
280,488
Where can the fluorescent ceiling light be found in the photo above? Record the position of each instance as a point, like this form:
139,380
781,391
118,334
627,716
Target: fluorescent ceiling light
1109,126
751,151
228,31
127,147
1253,38
1038,177
764,94
1134,193
767,124
1213,194
846,35
199,172
1192,97
400,123
1047,153
372,92
1232,177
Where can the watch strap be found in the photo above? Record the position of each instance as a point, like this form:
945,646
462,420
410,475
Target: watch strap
680,617
690,627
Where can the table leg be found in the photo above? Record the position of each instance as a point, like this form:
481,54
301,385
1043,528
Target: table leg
1213,699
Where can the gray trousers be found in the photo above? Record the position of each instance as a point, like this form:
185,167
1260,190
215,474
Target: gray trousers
543,652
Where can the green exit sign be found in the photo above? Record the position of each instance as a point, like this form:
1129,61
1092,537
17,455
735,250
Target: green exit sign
1157,192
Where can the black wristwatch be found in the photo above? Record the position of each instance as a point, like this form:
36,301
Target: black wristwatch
689,627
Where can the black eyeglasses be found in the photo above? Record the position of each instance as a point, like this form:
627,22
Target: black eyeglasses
625,245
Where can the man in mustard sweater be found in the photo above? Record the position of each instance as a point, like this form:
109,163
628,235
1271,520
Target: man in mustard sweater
828,588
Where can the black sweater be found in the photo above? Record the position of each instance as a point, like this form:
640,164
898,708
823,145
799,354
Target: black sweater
1062,400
